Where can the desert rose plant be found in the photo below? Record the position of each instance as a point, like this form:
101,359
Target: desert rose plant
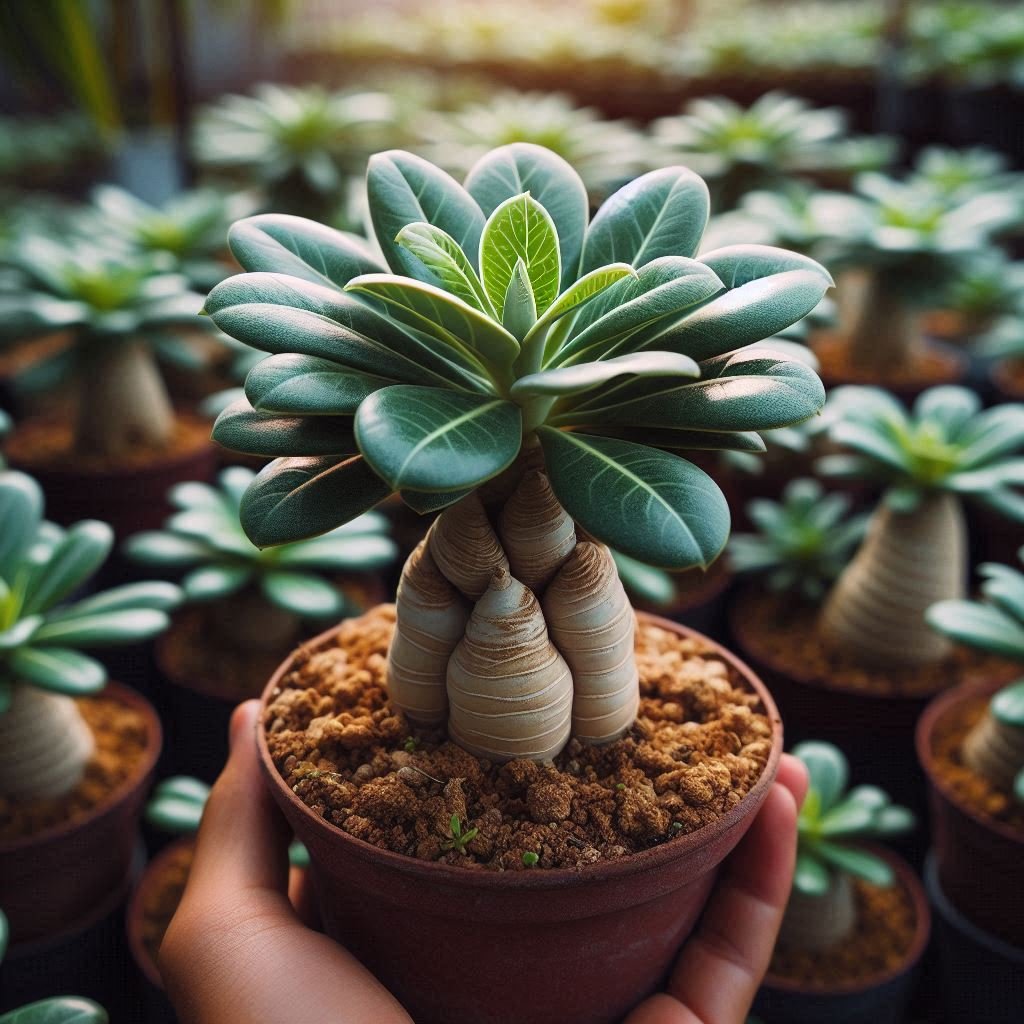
259,596
506,352
960,174
45,743
929,459
834,824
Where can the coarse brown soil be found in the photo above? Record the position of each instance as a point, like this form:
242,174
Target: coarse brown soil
931,367
784,634
967,786
886,924
163,894
121,740
699,745
48,444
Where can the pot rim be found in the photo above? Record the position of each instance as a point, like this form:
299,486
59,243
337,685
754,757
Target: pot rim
906,875
553,878
154,744
940,706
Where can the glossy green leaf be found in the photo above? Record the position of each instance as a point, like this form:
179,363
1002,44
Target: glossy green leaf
427,439
811,877
519,313
292,499
59,669
155,594
58,1010
243,429
683,440
405,189
646,503
103,629
978,625
164,550
826,765
522,167
662,213
424,502
739,265
568,380
300,385
583,290
1008,704
340,553
440,254
283,244
302,594
20,633
21,509
82,550
644,582
859,863
212,582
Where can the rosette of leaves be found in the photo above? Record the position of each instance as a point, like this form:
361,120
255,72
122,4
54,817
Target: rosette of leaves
187,231
36,152
44,741
604,153
121,309
763,146
960,174
833,827
501,322
299,144
259,596
802,542
995,746
987,290
928,459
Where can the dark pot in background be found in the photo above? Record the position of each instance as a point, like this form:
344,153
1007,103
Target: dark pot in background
63,880
700,600
967,954
980,862
881,1000
551,947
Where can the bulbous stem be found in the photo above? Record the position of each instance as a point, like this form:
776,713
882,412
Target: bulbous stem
887,333
465,547
45,745
122,401
907,563
814,923
509,690
995,750
247,621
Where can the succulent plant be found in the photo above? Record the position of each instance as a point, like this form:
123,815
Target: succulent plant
187,231
119,306
944,449
765,145
804,540
36,152
44,742
834,824
504,333
57,1010
263,593
960,174
987,288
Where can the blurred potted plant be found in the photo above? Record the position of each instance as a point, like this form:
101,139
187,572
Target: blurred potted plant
509,355
961,174
857,922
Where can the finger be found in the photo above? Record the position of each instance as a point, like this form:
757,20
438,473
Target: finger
302,898
793,775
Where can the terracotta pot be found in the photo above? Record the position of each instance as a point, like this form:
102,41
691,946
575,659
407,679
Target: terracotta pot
880,1000
129,498
64,879
980,861
965,952
549,947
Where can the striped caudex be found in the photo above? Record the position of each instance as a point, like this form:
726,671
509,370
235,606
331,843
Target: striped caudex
592,623
431,619
510,692
465,546
995,750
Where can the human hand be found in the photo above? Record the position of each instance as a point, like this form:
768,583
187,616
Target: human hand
238,950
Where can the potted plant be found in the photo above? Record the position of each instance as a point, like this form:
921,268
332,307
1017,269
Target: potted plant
611,339
245,607
75,751
123,445
961,174
857,922
1004,344
859,667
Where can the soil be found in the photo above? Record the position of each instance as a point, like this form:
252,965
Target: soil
1008,375
699,745
933,366
886,925
784,634
121,740
162,896
966,786
48,444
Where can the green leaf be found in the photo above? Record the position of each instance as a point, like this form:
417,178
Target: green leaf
59,669
892,821
466,331
440,253
20,633
424,502
300,385
523,167
243,429
428,439
5,931
826,765
404,189
340,554
684,440
58,1010
82,550
519,313
21,510
302,594
103,629
154,594
978,625
520,229
215,581
644,581
811,877
648,504
292,499
283,244
164,550
846,819
1008,704
568,380
662,213
583,290
858,863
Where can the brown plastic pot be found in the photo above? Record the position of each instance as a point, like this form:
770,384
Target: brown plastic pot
64,879
548,947
980,861
879,1000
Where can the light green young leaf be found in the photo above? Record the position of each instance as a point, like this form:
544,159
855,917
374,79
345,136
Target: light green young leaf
519,312
441,254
